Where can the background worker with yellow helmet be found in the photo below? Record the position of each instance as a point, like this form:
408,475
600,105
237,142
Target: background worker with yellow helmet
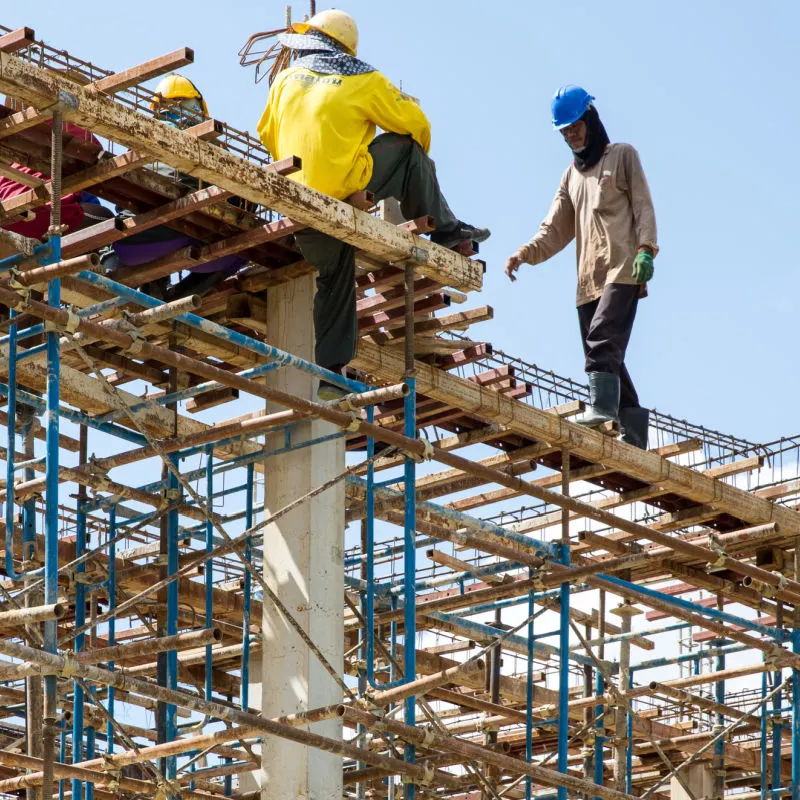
178,102
325,108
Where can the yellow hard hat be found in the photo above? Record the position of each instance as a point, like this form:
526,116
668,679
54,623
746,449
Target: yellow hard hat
177,87
335,23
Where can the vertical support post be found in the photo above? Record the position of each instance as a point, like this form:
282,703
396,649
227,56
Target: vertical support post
777,705
209,569
244,691
173,492
33,683
764,729
410,517
795,639
49,731
80,614
588,690
529,693
622,719
563,644
599,726
112,622
719,690
304,566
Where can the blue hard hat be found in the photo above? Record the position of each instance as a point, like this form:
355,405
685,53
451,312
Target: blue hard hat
569,105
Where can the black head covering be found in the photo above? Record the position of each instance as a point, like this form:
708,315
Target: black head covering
597,140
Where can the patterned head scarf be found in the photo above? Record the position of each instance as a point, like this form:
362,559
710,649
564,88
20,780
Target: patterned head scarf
320,53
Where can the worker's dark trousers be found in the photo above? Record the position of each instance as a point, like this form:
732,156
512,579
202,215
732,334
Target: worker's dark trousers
401,170
606,325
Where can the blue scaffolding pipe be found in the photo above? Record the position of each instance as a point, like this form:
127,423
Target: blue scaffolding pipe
173,488
795,719
777,733
223,466
225,334
722,616
479,631
10,458
39,328
624,637
655,663
529,690
80,620
46,253
599,738
76,417
410,568
186,394
563,677
112,622
209,570
546,549
244,684
51,481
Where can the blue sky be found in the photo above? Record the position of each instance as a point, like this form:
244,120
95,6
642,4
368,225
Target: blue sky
705,91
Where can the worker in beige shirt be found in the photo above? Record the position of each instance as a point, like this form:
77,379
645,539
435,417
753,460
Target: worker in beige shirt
603,203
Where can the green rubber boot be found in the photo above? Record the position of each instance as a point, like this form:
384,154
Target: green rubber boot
604,393
633,423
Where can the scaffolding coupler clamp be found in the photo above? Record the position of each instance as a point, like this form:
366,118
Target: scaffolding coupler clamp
70,665
137,340
17,287
354,424
537,582
716,548
169,495
429,738
426,454
94,467
427,780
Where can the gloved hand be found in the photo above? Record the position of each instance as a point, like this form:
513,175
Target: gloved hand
643,266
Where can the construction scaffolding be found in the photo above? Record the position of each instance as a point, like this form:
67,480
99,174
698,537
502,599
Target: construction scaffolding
625,625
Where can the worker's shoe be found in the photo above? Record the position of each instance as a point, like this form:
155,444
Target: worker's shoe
633,423
604,394
453,237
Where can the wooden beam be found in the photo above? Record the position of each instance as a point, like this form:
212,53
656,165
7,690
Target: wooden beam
120,81
646,466
40,88
17,40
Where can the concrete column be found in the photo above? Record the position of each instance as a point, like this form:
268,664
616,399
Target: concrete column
303,564
700,780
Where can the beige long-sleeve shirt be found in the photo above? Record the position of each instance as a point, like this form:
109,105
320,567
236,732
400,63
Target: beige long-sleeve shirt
609,212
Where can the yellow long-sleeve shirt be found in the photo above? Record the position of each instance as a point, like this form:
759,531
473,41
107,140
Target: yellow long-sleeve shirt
329,121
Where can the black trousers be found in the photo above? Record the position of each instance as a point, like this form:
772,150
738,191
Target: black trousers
606,325
401,169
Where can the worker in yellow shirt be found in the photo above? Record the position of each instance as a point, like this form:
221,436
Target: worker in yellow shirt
325,108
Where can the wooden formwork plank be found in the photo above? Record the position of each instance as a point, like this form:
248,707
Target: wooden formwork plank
40,88
643,465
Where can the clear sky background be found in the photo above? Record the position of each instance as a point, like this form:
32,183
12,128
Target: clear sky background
706,91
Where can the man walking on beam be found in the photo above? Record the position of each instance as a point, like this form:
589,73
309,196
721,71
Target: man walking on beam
325,107
603,203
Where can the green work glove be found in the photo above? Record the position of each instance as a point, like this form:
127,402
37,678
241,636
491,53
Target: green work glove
643,266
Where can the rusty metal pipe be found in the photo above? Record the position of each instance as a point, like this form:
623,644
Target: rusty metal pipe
60,269
166,311
789,589
30,616
51,663
381,395
147,647
428,738
422,686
